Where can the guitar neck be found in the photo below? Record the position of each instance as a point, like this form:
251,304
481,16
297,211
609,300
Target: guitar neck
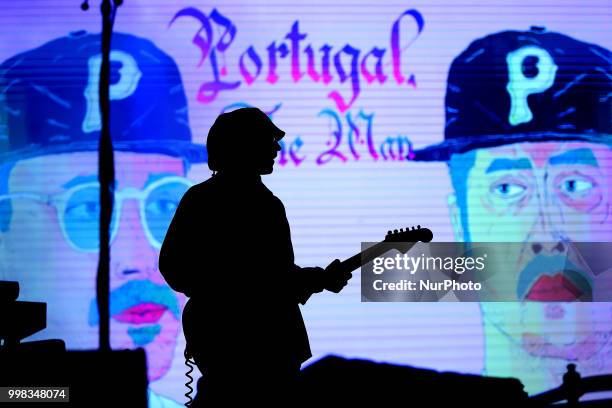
369,254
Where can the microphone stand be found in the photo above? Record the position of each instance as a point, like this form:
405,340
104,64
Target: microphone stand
106,174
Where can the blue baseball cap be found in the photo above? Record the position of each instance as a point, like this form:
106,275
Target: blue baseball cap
49,100
531,86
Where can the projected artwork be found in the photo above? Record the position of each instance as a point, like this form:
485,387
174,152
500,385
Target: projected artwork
488,123
50,201
527,145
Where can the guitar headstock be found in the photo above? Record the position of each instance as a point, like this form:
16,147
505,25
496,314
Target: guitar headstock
413,234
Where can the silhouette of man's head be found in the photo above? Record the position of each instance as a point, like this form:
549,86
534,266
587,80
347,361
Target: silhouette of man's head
243,141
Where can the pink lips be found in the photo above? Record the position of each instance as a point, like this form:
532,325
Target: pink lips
555,288
142,313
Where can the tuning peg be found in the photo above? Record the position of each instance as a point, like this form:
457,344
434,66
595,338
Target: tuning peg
418,227
389,232
401,230
395,231
413,228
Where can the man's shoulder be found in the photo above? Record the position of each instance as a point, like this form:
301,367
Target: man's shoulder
214,190
201,189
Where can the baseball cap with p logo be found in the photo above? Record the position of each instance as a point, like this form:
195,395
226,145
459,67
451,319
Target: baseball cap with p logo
531,86
49,99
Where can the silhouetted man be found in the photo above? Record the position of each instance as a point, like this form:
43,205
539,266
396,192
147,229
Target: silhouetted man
229,249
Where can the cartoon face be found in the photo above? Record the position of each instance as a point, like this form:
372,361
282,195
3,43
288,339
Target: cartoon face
540,192
548,196
51,247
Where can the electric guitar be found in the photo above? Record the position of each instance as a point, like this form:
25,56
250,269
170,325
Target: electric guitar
401,240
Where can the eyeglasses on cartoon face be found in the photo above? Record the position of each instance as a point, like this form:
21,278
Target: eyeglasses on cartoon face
78,210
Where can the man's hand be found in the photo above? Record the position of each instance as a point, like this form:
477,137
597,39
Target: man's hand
317,281
335,277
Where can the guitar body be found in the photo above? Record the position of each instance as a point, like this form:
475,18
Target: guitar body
211,333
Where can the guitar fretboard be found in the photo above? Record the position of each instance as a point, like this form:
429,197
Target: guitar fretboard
374,251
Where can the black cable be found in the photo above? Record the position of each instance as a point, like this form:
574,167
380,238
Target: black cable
189,362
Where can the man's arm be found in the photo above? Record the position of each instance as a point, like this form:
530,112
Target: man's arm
178,247
314,280
307,281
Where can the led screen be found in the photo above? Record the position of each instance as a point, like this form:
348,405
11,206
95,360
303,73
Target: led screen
483,121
